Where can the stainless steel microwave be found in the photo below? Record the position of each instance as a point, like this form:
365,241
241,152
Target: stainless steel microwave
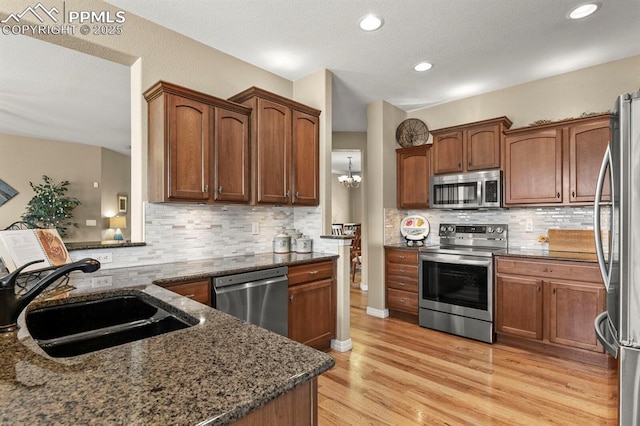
473,190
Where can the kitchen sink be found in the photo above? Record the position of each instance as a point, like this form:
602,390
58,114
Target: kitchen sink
78,327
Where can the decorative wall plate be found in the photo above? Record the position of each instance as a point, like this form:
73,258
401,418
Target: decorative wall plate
412,132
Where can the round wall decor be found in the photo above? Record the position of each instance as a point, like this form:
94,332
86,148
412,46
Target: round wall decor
412,132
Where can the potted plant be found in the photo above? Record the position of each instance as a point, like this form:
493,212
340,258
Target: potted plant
51,207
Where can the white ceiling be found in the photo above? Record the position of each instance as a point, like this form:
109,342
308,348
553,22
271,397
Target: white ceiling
476,47
51,92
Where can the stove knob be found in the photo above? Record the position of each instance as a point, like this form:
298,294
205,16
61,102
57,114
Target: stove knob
499,230
450,228
489,229
443,228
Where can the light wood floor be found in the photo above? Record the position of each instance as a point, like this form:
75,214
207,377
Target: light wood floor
402,374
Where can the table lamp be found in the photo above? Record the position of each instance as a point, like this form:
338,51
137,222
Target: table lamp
118,222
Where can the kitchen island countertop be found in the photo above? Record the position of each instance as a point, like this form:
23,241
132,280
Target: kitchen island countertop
212,373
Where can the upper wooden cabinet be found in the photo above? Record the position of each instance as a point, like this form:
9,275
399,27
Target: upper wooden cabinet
469,147
285,149
198,147
555,163
413,169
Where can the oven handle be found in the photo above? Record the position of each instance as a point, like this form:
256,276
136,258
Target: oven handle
460,260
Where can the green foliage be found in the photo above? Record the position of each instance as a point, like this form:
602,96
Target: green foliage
50,207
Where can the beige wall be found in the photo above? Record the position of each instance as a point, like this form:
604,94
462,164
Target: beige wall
116,180
31,158
591,89
340,202
158,54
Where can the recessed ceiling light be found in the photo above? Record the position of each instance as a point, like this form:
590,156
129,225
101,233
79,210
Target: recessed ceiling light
584,10
423,66
370,22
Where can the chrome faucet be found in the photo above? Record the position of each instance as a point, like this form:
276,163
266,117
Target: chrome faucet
11,304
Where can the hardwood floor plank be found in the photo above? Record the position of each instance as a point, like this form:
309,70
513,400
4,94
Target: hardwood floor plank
402,374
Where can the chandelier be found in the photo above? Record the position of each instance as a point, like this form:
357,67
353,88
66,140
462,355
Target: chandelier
350,180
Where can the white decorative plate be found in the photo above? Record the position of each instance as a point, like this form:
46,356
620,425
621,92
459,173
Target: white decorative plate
414,227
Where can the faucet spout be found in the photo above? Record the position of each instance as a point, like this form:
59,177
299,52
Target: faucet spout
11,304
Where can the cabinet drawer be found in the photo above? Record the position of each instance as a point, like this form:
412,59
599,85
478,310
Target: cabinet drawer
407,257
299,274
398,283
198,290
402,300
401,270
576,271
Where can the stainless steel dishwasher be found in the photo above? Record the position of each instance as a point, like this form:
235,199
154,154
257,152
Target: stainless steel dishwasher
258,297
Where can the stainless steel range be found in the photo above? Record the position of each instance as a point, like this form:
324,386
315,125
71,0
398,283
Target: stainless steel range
456,280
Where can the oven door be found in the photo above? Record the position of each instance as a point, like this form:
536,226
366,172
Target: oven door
457,284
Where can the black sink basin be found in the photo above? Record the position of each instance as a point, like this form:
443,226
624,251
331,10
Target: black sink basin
78,327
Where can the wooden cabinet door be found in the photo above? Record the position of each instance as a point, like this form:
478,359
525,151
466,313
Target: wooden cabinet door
587,144
311,313
198,290
572,309
189,139
305,174
483,147
231,156
273,152
413,171
533,167
447,152
519,306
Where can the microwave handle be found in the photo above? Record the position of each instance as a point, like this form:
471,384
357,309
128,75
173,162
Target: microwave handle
479,193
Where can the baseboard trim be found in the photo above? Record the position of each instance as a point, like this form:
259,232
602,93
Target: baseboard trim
341,345
378,313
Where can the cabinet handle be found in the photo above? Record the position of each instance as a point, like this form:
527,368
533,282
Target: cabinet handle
402,301
220,189
291,297
459,165
286,194
206,188
190,296
469,163
297,194
313,272
554,291
402,284
557,195
538,289
402,270
401,257
573,194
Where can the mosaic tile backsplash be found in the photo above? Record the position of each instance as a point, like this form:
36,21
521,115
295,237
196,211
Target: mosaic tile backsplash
543,219
176,233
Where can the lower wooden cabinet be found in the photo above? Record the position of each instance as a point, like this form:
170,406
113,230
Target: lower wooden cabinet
198,290
312,304
401,283
550,306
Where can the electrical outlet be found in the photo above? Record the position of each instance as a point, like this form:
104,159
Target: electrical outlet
104,257
255,228
529,225
105,281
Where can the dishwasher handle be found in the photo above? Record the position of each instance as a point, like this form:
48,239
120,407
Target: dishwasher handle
222,289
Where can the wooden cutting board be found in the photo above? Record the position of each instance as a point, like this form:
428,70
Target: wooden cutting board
576,240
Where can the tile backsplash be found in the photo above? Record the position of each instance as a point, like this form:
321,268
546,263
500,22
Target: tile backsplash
543,218
176,233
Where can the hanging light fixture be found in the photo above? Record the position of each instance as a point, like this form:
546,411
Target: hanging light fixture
350,180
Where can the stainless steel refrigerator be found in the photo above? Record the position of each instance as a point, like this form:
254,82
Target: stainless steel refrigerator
618,329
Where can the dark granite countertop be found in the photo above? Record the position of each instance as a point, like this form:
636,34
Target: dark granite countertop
167,273
532,253
101,244
212,373
550,254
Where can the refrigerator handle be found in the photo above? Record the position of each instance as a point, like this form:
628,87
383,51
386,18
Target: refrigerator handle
605,336
606,272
